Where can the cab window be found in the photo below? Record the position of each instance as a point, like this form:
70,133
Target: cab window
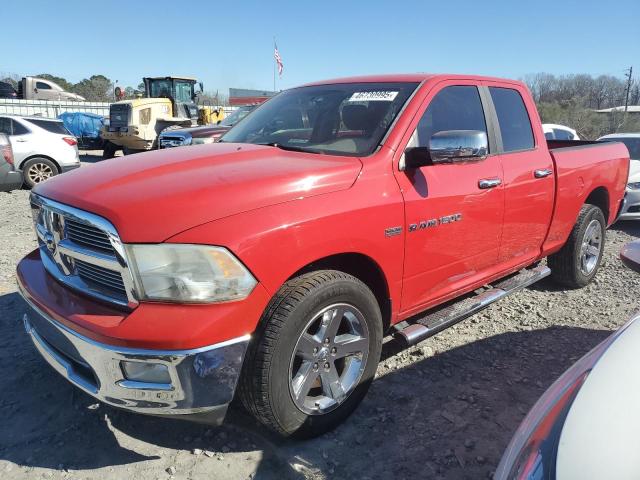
513,119
454,108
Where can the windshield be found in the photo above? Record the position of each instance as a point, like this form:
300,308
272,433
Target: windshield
633,145
160,88
236,116
183,91
339,119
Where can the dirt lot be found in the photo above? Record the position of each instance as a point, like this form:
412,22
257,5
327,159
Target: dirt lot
443,409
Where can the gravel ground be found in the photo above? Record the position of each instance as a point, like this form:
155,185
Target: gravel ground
443,409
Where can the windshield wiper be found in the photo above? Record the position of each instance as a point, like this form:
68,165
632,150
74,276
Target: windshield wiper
289,147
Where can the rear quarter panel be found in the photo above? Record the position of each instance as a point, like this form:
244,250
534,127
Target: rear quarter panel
579,171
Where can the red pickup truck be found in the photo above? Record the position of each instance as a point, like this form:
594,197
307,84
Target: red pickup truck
269,266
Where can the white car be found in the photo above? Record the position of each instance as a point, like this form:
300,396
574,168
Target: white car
631,207
585,426
42,147
553,131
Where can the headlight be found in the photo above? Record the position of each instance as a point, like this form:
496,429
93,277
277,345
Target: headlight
634,186
532,452
201,141
188,273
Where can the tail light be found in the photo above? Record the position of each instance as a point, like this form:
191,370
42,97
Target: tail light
70,140
6,151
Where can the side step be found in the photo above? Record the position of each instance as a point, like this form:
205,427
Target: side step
443,317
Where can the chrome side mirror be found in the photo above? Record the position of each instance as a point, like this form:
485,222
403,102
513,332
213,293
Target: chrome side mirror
630,255
453,146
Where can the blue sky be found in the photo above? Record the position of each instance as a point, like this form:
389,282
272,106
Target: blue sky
230,44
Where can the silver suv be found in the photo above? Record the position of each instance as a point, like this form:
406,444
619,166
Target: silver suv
42,147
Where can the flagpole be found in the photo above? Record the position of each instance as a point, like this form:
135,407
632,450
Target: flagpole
274,64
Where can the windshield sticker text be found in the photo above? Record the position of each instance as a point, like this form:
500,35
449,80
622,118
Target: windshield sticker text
380,96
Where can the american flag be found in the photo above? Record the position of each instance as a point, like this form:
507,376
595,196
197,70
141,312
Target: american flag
276,55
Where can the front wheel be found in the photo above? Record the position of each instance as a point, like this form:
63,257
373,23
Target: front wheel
315,354
577,262
37,170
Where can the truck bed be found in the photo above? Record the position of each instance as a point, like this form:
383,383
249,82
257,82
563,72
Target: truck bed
585,169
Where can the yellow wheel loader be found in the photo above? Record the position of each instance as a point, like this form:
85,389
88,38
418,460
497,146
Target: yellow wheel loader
134,125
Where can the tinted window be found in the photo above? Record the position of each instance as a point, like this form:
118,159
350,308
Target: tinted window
5,125
44,86
549,136
453,108
562,134
51,126
513,119
18,128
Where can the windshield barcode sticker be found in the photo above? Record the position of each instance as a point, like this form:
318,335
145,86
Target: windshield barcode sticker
380,96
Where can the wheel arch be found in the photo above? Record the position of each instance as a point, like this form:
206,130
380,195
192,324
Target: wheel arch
599,197
364,268
31,157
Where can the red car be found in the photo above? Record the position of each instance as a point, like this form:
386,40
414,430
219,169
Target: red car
204,134
270,265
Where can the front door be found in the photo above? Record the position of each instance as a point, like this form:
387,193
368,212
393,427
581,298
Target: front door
453,225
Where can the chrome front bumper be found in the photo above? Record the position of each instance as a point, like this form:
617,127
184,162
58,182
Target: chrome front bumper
202,381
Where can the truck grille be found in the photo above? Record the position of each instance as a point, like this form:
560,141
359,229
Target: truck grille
119,114
103,277
88,236
83,251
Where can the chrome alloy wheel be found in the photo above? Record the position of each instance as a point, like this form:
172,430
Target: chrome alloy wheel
39,172
591,247
329,359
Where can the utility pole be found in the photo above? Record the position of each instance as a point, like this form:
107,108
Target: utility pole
626,97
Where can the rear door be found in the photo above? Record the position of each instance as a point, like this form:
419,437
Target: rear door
529,177
453,225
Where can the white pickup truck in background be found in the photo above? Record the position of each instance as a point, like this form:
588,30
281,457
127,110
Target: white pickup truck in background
34,88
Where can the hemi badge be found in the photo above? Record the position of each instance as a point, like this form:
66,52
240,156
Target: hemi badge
393,231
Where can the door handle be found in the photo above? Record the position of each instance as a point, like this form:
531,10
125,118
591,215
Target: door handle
20,140
489,183
542,173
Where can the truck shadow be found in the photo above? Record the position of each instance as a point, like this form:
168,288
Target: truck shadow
437,406
630,227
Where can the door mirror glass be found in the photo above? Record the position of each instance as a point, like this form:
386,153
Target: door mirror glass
452,146
630,255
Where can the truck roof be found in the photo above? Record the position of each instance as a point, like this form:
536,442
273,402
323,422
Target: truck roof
410,77
177,77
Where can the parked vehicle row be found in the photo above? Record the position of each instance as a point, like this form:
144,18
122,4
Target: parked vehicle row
42,147
272,263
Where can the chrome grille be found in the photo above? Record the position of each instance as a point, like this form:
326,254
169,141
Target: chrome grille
87,235
101,276
82,250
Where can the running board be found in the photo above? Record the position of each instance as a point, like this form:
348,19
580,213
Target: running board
444,317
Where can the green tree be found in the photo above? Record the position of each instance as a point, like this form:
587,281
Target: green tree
96,88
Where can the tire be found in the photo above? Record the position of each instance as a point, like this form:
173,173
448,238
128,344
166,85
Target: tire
576,264
131,151
273,368
37,170
109,150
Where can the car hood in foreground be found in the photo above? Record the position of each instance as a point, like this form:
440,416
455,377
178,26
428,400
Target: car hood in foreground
152,196
599,438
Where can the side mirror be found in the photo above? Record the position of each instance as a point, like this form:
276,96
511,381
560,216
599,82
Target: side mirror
630,255
201,85
453,146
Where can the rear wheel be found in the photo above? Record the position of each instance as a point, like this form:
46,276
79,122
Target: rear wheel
109,150
314,355
577,262
37,170
131,151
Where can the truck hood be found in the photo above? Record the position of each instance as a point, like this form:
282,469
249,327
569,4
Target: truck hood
152,196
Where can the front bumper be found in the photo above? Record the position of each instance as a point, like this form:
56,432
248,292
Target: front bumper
631,206
202,381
